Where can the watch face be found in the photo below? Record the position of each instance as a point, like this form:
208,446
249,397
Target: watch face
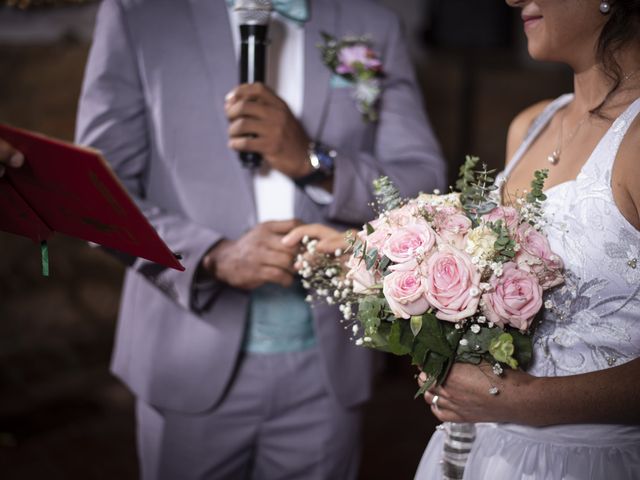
325,158
322,160
314,159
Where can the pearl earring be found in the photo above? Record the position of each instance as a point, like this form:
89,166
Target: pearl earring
605,7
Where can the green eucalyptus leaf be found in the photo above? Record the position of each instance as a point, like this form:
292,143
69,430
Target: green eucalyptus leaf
369,310
384,263
371,258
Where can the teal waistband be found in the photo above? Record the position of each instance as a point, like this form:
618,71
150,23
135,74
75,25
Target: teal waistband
279,321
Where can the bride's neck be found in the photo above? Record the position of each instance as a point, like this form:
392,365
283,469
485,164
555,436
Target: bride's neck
592,84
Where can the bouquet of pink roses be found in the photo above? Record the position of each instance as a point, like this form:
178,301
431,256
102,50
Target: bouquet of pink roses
445,278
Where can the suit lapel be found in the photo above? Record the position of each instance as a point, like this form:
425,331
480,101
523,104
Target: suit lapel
317,76
211,21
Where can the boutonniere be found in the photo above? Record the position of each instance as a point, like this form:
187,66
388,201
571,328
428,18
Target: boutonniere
352,60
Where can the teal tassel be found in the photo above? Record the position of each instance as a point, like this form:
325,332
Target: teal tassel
44,253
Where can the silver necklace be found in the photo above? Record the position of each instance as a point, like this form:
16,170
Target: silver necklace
554,158
629,75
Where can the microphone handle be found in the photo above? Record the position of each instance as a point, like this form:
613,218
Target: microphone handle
253,55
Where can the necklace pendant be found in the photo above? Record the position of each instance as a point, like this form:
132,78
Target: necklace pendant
554,158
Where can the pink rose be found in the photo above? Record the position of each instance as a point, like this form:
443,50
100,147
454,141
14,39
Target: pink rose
452,228
376,239
535,256
404,291
452,284
508,215
405,215
409,243
359,275
514,299
349,57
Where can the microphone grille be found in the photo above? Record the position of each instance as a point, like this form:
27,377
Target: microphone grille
253,12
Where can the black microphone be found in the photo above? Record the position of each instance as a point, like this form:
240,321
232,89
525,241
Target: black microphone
253,18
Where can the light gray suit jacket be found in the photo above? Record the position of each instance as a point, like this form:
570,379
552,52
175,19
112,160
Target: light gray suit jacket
152,102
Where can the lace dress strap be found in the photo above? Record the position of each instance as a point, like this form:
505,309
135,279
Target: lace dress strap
600,163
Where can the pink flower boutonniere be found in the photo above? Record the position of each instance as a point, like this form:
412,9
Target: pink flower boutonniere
355,64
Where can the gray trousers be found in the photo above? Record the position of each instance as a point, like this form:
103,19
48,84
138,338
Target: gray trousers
278,421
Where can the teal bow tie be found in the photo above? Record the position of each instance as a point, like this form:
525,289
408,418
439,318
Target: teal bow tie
296,10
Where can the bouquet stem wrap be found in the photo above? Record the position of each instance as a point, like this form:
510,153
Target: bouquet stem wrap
459,438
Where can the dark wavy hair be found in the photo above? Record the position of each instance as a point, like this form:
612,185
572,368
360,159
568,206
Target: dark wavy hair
622,27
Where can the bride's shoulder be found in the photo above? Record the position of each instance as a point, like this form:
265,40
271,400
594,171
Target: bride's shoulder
520,126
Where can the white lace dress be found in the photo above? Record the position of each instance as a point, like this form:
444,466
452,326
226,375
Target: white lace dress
594,323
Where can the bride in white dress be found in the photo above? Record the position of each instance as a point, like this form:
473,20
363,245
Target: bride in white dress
575,414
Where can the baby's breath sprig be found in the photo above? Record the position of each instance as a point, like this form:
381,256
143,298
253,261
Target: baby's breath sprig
324,277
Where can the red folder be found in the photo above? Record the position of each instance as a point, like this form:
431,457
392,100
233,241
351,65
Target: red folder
72,190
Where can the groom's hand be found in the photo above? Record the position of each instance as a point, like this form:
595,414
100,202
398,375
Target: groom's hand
256,258
260,121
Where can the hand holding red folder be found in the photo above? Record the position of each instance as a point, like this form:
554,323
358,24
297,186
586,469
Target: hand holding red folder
72,190
9,157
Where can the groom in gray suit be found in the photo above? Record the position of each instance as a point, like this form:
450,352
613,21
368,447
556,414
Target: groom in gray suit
235,376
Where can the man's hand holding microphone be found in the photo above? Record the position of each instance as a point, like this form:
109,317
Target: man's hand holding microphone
265,133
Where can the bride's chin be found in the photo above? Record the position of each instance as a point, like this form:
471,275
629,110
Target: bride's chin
541,53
